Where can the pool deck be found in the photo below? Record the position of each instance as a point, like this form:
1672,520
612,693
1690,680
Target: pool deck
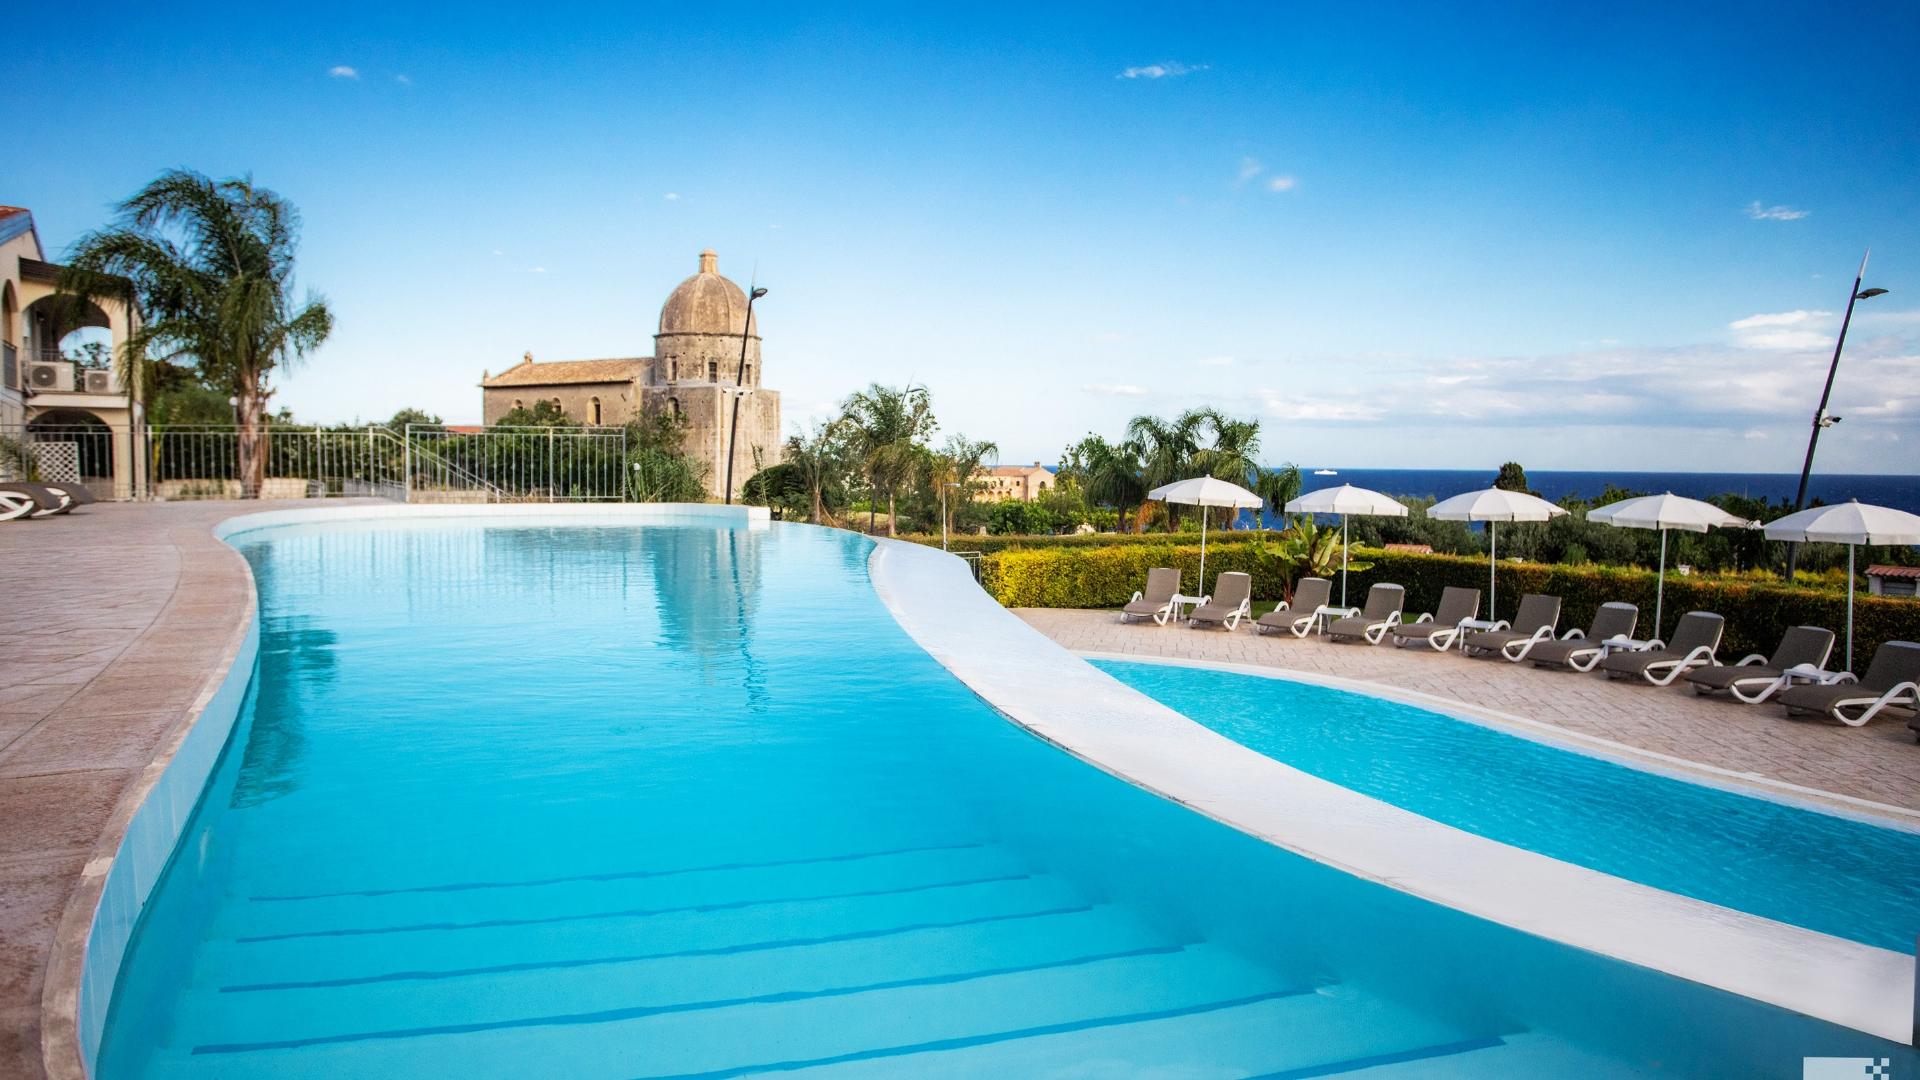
1879,763
116,619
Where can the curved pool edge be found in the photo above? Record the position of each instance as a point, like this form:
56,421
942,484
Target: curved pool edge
140,837
132,851
1058,697
1752,785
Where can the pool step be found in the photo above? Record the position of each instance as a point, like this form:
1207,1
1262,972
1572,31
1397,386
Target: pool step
962,1009
954,947
1525,1056
631,926
504,897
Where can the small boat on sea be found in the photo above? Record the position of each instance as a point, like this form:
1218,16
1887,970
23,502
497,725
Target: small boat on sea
1325,472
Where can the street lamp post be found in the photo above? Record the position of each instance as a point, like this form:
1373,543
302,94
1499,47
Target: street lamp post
943,513
739,385
1820,417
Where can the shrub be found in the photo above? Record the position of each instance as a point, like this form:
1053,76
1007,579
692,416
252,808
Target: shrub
1105,574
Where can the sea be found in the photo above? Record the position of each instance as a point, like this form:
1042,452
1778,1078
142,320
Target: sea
1899,492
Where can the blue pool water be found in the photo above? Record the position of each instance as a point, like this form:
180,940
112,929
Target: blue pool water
1836,875
684,801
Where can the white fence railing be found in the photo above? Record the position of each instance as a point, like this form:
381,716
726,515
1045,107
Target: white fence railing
422,464
517,464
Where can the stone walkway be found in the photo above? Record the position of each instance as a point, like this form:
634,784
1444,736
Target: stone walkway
113,619
1879,762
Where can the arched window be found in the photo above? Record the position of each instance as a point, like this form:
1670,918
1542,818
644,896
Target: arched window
518,404
593,411
673,407
673,369
713,371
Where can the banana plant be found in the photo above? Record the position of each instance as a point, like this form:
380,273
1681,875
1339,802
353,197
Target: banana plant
1303,550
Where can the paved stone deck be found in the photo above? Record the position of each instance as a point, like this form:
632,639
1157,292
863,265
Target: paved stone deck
1879,762
113,619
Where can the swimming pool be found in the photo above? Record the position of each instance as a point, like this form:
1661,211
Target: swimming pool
514,799
1833,874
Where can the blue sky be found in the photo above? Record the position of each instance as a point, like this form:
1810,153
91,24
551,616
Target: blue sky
1400,236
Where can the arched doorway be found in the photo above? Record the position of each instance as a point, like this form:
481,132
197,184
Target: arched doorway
9,342
74,446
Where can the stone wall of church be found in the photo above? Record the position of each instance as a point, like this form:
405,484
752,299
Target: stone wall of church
707,411
617,401
684,358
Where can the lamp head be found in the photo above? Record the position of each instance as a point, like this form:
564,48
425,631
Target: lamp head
1868,294
761,291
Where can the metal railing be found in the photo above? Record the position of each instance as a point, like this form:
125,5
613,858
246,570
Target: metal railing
197,461
517,464
172,462
90,454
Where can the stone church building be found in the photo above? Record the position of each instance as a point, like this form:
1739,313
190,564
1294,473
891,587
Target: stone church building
694,373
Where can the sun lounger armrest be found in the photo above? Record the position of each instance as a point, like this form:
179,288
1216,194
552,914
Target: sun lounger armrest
1425,616
1656,643
1751,658
1137,597
1575,634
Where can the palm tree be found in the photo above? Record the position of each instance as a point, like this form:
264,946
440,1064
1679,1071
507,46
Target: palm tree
210,264
954,467
1111,474
1279,487
813,459
1234,455
890,425
1166,448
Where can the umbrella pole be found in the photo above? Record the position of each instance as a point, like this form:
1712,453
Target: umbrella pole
1203,553
1493,566
1660,588
1850,550
1343,560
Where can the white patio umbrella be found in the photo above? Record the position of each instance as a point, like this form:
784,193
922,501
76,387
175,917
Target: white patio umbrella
1343,500
1206,492
1663,512
1493,506
1852,524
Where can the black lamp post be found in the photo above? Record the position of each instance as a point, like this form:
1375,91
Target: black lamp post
1820,417
739,386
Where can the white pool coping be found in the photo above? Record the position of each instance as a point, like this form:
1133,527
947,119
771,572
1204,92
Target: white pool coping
1060,698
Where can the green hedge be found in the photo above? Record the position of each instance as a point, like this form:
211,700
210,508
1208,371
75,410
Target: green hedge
990,545
1106,576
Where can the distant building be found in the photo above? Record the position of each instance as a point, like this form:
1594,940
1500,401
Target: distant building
694,373
1893,580
80,420
1003,482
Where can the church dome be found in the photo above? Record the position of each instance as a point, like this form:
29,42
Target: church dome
705,303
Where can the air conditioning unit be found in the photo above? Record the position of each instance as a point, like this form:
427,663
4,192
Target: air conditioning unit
50,375
98,381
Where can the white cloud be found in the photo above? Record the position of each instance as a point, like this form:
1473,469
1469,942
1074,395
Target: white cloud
1774,213
1292,405
1249,168
1281,183
1798,317
1166,69
1801,329
342,71
671,196
1115,390
403,80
